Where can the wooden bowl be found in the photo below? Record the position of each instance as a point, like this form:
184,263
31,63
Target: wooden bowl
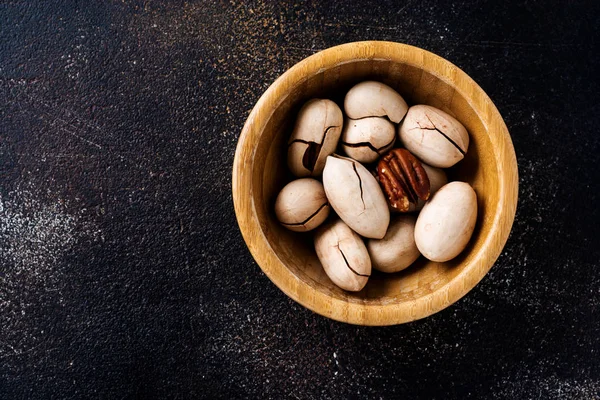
289,258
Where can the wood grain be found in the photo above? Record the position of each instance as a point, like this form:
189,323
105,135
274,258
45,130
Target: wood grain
288,258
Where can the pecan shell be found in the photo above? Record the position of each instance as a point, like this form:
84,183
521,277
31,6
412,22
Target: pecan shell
403,179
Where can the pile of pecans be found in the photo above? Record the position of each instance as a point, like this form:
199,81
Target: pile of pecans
399,199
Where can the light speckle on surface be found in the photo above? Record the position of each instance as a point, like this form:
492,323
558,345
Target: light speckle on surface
530,386
34,238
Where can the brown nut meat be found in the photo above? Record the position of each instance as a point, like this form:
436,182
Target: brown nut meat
403,179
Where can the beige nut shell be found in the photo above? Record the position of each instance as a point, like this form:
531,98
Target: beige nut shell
446,223
366,139
397,250
374,99
356,196
434,136
343,255
302,205
318,124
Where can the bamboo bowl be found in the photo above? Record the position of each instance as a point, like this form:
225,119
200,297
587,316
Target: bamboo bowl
260,171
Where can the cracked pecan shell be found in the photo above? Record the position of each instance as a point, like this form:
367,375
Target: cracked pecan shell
356,196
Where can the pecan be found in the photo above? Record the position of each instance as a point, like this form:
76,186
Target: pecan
313,150
403,179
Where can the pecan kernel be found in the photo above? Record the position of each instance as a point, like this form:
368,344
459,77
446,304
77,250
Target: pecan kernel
403,179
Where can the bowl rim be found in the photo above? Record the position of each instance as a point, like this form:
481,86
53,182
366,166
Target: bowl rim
375,314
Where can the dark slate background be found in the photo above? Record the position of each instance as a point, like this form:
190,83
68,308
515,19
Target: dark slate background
122,270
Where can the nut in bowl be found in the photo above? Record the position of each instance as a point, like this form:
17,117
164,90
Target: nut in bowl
261,170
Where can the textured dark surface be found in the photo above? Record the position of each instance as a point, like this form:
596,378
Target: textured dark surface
122,270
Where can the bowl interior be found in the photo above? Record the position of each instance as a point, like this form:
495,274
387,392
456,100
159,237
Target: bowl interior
270,174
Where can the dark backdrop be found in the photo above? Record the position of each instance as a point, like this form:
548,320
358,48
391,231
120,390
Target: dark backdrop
122,270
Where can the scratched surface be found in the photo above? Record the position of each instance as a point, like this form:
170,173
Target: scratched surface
122,270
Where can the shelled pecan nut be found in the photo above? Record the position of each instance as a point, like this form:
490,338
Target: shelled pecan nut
403,179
